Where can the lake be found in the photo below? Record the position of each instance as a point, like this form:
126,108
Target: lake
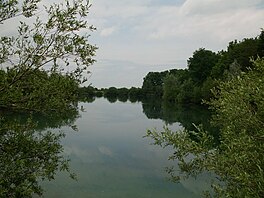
113,160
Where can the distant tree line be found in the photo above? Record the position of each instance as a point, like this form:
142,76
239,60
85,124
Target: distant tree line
206,69
112,94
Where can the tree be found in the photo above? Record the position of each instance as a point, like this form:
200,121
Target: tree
50,44
112,92
41,69
192,84
238,158
201,64
152,84
135,94
260,46
170,88
173,84
122,94
40,92
240,53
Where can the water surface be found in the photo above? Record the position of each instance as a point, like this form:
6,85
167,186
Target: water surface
112,160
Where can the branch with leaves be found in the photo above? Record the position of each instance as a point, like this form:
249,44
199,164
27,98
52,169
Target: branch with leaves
57,43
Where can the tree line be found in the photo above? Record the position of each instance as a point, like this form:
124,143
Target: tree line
112,94
205,70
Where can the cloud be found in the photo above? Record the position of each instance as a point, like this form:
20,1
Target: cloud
165,33
208,7
107,31
105,151
220,20
121,9
162,33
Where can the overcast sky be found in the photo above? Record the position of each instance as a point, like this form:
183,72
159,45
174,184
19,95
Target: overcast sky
138,36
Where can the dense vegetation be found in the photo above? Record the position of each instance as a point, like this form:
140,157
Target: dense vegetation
238,158
42,65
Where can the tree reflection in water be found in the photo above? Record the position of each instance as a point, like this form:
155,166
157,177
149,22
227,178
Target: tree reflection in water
29,152
189,116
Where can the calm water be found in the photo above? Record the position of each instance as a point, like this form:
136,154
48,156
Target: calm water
112,160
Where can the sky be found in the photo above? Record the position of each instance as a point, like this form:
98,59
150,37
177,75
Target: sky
138,36
135,37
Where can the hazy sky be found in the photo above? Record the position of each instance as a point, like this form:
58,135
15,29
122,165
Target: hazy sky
138,36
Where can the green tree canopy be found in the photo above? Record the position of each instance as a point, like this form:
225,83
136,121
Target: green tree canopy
173,84
153,82
201,64
237,52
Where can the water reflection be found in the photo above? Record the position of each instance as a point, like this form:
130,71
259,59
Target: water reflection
28,152
188,116
108,154
112,159
41,121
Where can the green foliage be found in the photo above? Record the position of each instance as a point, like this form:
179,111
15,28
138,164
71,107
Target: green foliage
261,44
135,94
172,86
205,90
48,45
239,52
10,9
122,94
206,69
39,91
193,84
180,88
112,94
201,64
238,159
88,94
153,84
41,69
